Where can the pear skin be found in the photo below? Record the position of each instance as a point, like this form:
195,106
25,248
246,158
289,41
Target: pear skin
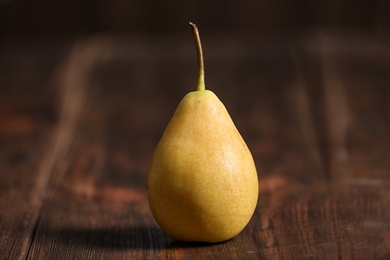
202,183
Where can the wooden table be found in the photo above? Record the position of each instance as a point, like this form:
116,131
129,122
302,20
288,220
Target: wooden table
79,121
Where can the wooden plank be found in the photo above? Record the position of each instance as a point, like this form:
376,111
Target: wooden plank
97,201
28,118
98,206
120,97
350,83
335,221
364,72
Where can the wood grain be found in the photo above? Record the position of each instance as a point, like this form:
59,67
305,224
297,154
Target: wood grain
314,112
28,119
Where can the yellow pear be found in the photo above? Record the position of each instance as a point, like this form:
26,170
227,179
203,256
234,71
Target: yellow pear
202,184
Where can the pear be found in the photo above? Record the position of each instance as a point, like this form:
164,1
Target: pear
202,183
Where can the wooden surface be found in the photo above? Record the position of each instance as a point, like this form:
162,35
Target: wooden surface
79,121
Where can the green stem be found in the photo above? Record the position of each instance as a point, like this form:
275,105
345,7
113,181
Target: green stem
201,83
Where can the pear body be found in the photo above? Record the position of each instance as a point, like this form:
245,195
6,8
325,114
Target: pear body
202,184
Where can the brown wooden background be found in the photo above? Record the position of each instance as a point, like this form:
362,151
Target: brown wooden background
33,18
81,113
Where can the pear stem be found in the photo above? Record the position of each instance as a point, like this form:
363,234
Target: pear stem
201,83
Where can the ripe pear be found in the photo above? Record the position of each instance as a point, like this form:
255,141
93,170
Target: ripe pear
202,184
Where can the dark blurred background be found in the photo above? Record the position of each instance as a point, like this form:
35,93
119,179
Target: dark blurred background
48,18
